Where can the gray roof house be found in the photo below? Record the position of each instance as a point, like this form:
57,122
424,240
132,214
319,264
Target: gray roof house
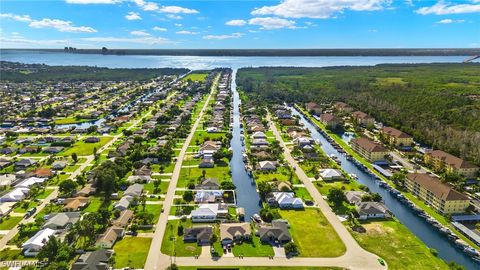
134,190
94,260
202,235
62,220
277,231
368,210
354,197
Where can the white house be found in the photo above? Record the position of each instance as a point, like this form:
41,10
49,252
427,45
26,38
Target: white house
331,174
267,165
122,204
209,212
259,135
33,245
285,200
30,182
15,195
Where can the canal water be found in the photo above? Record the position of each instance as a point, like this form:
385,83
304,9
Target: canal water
247,195
427,233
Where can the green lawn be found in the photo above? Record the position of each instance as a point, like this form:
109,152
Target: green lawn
11,254
196,77
94,204
44,193
221,172
398,246
153,209
313,234
85,149
71,168
281,174
302,193
131,252
181,249
253,248
9,222
201,136
22,208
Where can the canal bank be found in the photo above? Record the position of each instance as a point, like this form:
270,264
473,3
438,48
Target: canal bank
418,226
247,195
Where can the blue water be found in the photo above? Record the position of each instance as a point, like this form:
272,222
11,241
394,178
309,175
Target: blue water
247,195
205,62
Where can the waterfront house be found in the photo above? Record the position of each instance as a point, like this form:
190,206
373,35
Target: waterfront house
354,197
440,196
331,174
370,210
369,149
441,160
267,165
209,212
285,200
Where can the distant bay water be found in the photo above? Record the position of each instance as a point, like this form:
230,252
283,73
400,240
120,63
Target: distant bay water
207,62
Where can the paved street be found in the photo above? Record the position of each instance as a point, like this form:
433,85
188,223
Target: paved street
155,259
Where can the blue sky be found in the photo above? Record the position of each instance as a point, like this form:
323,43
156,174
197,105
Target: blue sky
240,24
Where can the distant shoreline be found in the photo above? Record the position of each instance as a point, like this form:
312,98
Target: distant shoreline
270,52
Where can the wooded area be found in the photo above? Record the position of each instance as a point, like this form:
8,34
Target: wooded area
439,104
17,72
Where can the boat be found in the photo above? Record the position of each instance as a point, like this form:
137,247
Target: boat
354,176
256,218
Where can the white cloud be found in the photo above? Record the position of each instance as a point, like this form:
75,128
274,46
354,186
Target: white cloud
59,25
151,6
140,40
178,25
131,16
448,21
93,1
20,18
140,33
236,22
147,6
186,32
177,10
442,8
320,9
161,29
62,26
221,37
270,23
175,17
